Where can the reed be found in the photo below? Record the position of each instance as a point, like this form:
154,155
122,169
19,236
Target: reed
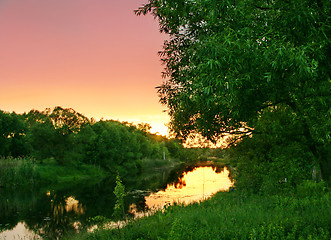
24,172
16,172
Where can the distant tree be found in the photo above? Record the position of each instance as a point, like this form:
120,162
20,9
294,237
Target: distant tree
144,127
12,133
42,138
227,62
71,138
83,145
174,148
35,116
4,133
51,133
113,145
67,120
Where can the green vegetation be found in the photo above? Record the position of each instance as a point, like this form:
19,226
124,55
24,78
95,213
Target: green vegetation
254,72
303,214
25,172
63,146
258,74
119,192
18,172
248,68
59,175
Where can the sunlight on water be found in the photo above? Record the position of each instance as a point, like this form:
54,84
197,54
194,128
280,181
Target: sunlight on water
194,186
73,205
54,213
197,185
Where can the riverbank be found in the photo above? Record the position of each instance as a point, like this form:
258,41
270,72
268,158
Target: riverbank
304,213
52,212
25,172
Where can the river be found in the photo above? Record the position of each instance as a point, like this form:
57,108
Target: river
51,213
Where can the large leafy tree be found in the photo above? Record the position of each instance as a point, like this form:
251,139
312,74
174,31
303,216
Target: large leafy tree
229,61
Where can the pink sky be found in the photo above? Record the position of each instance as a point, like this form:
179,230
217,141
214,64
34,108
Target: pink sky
94,56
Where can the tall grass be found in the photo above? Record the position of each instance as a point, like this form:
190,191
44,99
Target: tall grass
16,172
22,172
53,174
232,215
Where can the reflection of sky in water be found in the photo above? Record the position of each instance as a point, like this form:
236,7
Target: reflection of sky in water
197,185
20,231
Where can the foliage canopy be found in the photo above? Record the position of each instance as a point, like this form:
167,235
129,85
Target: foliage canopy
70,138
228,62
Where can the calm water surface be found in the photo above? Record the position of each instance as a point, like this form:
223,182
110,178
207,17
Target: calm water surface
46,213
197,185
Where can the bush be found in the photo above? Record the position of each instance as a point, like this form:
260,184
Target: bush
311,189
265,165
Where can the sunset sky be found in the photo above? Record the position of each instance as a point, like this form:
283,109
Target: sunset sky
94,56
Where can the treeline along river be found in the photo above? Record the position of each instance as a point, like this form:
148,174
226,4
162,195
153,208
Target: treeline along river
51,213
58,168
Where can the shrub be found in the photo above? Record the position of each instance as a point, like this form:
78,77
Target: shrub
311,189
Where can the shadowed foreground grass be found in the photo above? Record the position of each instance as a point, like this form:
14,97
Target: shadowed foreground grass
303,214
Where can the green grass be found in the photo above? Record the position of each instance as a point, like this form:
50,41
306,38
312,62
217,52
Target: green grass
232,215
17,172
66,174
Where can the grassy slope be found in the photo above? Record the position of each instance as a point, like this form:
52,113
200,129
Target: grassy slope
232,215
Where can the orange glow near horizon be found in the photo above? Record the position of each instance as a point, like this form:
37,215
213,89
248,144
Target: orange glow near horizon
95,57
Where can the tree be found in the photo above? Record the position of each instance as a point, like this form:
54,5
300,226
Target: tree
227,62
43,140
52,133
12,132
67,120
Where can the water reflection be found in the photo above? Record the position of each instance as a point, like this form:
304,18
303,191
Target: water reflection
73,205
20,231
55,212
197,185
